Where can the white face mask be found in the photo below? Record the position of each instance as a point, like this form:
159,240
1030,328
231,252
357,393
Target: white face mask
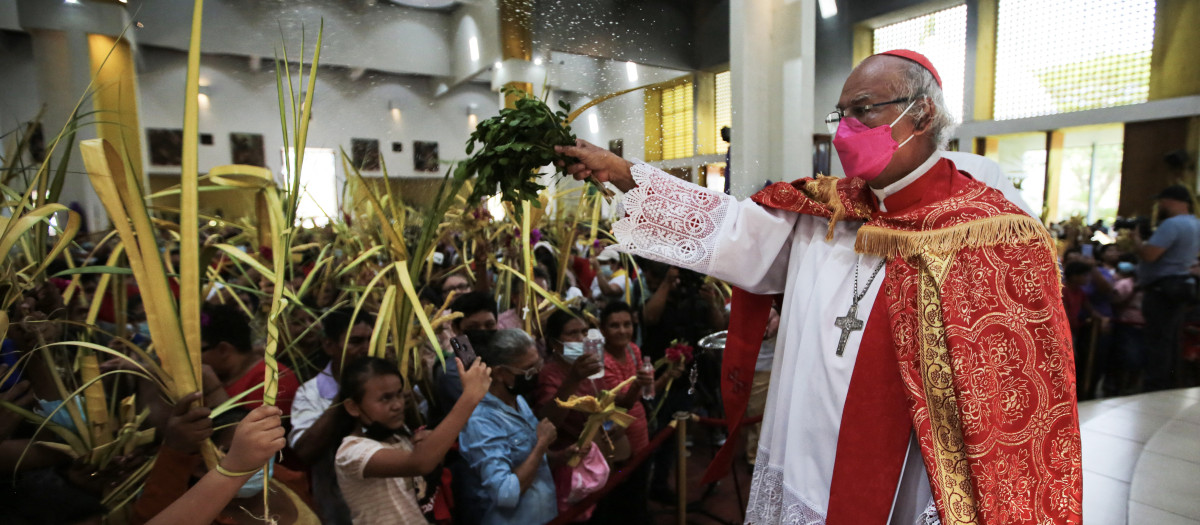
572,350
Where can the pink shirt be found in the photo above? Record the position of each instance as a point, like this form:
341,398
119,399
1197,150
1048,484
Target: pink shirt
616,371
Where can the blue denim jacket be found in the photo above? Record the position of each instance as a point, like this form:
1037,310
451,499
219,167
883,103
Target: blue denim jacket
496,440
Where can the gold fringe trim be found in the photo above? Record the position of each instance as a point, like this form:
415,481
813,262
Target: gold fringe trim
823,189
1001,229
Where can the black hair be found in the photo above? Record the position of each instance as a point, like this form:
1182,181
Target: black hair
357,372
226,323
354,386
479,339
1077,268
558,320
336,323
614,307
546,258
472,303
431,296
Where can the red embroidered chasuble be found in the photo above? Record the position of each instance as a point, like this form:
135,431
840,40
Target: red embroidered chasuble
974,355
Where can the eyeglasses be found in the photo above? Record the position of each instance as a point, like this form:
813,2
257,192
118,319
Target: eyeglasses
856,112
528,373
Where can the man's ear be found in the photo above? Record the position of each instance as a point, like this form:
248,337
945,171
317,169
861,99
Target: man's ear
921,126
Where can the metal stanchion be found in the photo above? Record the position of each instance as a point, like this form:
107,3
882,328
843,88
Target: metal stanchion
1089,371
681,419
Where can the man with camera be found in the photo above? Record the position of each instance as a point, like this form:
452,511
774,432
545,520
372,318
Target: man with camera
1170,288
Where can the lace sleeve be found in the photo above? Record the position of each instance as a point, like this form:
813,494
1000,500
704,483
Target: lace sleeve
671,220
674,221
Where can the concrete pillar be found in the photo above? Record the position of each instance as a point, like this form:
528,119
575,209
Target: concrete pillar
59,32
772,48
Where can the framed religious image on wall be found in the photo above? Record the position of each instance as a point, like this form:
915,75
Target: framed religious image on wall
425,156
364,153
822,149
617,147
166,146
247,148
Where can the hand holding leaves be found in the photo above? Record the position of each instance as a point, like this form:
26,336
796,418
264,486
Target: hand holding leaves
513,146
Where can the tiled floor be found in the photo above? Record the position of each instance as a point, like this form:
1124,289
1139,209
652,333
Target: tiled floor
1141,462
1141,459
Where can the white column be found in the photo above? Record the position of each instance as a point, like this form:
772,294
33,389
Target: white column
772,46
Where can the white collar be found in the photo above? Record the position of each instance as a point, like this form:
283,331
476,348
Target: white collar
893,188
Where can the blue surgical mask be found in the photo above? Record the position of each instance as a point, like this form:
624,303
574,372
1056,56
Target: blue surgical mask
572,350
606,270
143,328
254,485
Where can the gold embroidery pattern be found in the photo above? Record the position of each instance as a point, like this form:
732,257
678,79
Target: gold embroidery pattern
950,465
1008,340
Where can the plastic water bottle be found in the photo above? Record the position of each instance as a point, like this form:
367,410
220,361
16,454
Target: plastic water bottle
648,390
594,344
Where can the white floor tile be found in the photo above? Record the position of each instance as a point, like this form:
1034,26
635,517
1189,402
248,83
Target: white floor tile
1110,456
1123,421
1190,393
1091,409
1178,439
1105,500
1142,514
1162,403
1190,414
1168,483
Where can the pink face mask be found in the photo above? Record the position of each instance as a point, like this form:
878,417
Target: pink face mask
864,151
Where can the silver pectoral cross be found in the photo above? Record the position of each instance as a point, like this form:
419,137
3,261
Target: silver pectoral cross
848,323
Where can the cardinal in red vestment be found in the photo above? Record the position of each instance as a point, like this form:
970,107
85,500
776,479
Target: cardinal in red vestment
923,369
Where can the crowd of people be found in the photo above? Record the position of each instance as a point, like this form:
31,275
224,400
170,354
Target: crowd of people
474,433
1130,291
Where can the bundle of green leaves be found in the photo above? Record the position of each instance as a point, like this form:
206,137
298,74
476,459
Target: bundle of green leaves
506,151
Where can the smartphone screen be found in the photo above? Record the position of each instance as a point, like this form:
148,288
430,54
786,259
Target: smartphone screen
463,350
1087,250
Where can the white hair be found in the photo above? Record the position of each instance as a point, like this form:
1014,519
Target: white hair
506,347
919,84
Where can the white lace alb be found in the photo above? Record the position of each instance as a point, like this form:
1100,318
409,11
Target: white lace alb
670,220
772,502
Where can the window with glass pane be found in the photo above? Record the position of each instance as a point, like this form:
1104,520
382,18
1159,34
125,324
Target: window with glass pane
724,112
1051,57
942,37
677,122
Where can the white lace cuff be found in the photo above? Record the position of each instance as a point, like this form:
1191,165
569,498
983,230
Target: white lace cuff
930,516
671,220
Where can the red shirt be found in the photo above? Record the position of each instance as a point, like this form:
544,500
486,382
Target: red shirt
288,385
583,272
616,371
553,374
1073,300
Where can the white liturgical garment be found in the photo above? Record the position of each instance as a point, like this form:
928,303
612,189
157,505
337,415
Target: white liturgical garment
768,251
